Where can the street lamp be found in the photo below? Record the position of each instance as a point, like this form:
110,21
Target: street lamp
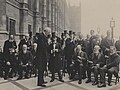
112,26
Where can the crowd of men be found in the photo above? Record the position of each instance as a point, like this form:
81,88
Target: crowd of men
46,53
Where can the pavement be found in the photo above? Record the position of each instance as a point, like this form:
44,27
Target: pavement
31,84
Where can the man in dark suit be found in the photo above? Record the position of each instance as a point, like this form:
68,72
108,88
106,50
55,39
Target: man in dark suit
42,55
26,40
106,43
55,57
8,45
112,67
92,41
24,58
79,64
117,45
69,51
33,51
97,61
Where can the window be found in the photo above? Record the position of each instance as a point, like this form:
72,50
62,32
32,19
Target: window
12,27
7,23
29,4
29,28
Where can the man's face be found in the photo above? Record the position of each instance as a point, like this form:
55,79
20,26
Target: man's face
11,37
96,49
26,37
71,36
78,48
112,50
34,45
92,32
47,31
24,47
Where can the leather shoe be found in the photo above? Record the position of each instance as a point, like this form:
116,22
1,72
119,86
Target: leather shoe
79,82
61,80
95,83
42,85
45,82
88,81
101,85
51,80
109,84
19,78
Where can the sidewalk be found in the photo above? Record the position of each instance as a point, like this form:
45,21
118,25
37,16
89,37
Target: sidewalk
30,84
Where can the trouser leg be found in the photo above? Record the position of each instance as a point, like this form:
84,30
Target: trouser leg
80,70
73,71
20,71
26,69
102,75
53,75
84,71
6,72
89,72
69,62
96,74
110,72
40,77
59,75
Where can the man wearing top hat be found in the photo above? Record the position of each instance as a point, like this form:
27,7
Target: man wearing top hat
42,55
55,57
69,51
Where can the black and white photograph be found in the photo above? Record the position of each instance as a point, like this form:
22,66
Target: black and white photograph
59,44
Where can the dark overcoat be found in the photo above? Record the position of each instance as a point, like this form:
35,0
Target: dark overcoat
42,52
55,60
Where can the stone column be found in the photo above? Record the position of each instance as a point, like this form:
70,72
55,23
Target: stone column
24,18
44,20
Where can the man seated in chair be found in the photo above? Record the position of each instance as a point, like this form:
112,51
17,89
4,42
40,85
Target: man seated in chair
24,58
112,66
96,61
79,62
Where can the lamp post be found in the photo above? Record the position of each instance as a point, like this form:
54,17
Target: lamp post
112,26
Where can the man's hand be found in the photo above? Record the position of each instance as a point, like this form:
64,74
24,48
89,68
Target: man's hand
90,62
107,49
98,65
79,57
27,64
8,63
105,66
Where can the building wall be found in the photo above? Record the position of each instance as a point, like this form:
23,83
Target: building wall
75,19
37,13
3,33
12,12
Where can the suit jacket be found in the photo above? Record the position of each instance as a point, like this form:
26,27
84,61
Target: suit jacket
8,45
69,49
113,61
83,56
105,43
25,58
98,59
42,51
55,61
117,45
22,42
92,43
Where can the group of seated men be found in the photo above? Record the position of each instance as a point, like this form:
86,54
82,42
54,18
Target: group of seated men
71,53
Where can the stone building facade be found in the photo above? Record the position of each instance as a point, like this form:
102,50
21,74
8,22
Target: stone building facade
74,13
19,17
